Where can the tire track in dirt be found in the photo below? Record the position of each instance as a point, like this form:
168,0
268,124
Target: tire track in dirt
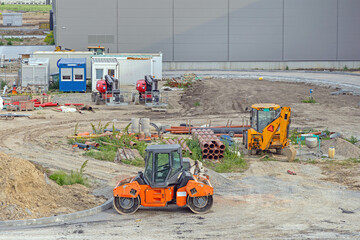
35,146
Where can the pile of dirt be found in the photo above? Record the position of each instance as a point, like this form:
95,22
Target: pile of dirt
342,148
26,192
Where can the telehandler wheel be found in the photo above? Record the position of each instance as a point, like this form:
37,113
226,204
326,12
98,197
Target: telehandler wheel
126,206
200,204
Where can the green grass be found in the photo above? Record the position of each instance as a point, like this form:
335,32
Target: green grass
197,104
352,140
75,177
14,39
138,162
354,160
308,100
105,153
195,148
231,162
268,159
26,8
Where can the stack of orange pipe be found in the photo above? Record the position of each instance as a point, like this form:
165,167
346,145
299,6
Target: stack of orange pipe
212,148
187,130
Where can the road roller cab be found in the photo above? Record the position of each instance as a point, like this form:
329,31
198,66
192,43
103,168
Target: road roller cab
166,180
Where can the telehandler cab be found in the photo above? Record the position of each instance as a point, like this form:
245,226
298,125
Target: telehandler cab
166,180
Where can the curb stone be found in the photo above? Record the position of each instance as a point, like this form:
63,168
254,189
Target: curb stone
58,219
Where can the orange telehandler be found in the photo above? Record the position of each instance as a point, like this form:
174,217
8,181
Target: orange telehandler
269,130
166,180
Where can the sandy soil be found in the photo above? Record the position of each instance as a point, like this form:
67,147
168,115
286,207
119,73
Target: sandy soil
263,202
26,192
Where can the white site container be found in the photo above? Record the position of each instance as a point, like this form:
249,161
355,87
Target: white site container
54,57
133,69
36,72
157,65
156,69
101,66
12,19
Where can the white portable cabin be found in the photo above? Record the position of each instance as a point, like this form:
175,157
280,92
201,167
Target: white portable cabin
129,67
12,19
36,72
102,66
54,57
156,65
132,69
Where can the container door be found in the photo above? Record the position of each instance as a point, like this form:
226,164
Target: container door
27,75
40,76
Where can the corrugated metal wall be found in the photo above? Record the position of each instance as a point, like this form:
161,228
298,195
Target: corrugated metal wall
214,30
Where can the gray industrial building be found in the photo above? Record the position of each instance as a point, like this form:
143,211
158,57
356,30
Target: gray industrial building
215,31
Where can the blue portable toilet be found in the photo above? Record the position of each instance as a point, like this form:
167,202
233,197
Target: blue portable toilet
72,74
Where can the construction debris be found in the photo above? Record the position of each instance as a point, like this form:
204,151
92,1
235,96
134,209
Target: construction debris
342,92
211,146
235,131
84,146
182,82
126,154
181,141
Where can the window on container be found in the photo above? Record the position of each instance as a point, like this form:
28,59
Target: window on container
66,74
78,74
79,77
99,73
111,72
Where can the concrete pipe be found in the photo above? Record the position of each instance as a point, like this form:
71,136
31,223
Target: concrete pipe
311,142
135,126
145,126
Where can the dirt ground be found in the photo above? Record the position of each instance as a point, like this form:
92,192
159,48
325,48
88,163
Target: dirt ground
263,202
232,96
30,26
26,192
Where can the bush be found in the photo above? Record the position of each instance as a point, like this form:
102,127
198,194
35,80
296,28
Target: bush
308,100
9,42
49,39
54,86
62,178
